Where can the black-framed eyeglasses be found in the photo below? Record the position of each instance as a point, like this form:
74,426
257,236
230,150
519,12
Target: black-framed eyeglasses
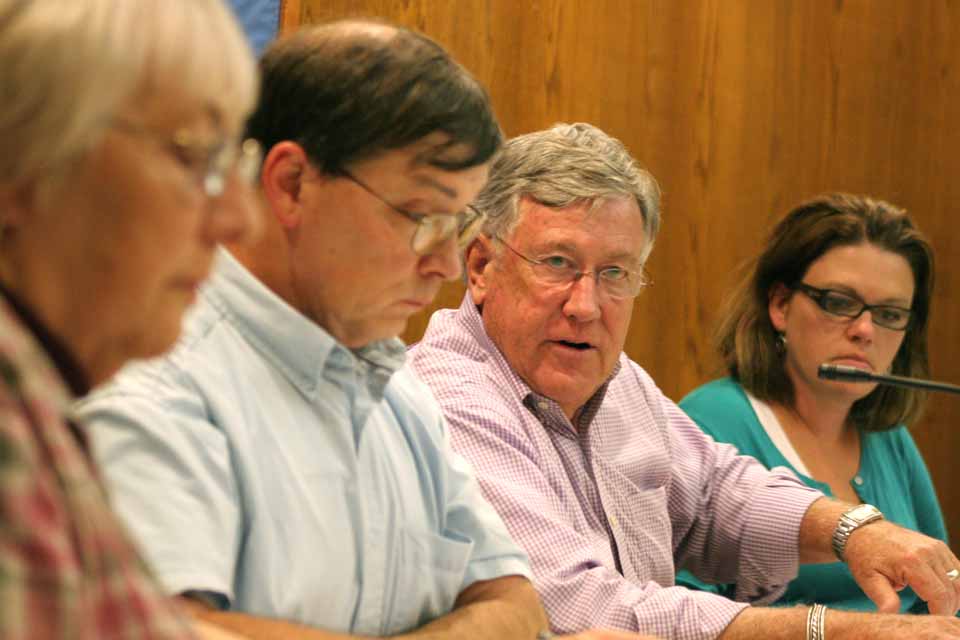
849,306
560,271
432,229
212,162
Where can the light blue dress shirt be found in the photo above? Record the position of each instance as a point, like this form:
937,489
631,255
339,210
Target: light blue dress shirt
264,462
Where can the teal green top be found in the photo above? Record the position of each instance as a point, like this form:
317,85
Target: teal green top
894,478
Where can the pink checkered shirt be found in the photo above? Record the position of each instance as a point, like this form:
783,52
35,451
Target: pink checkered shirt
67,568
609,512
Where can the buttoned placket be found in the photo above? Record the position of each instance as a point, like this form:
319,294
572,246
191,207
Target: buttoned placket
344,370
552,417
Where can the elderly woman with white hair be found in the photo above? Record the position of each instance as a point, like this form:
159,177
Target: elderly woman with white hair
121,170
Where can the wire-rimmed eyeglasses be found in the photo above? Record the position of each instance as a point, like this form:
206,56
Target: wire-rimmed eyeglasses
212,162
432,229
559,270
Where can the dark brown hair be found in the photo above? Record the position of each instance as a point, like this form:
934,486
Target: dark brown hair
747,340
347,90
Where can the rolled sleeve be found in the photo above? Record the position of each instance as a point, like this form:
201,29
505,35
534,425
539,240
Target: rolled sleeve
769,553
734,520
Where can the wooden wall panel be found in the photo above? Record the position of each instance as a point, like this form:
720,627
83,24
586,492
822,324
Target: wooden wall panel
740,108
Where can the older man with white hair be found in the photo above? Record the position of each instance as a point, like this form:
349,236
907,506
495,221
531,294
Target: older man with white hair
606,483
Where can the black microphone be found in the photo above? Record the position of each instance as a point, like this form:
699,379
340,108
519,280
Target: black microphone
853,374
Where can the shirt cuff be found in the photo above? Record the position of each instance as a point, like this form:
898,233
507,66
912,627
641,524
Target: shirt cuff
180,582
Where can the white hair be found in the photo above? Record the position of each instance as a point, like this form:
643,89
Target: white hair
562,166
68,66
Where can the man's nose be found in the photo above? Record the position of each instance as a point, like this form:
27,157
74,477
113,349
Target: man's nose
583,302
443,260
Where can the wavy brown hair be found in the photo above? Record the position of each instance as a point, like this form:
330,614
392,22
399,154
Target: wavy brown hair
747,340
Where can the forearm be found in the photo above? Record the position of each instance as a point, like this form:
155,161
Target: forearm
790,624
256,627
769,624
816,530
507,607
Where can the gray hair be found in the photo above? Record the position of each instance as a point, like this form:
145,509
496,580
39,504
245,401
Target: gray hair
561,166
68,66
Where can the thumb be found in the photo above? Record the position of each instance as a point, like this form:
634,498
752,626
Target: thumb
882,593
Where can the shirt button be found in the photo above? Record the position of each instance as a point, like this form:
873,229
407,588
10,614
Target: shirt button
542,404
613,521
858,480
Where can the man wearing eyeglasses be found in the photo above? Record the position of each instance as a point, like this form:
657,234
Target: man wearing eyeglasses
607,485
284,473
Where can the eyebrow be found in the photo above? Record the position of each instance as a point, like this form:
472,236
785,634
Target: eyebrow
623,256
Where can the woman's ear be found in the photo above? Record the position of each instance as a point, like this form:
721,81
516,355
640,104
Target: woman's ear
778,306
478,259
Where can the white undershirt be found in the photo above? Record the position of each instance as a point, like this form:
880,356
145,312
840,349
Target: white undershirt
768,419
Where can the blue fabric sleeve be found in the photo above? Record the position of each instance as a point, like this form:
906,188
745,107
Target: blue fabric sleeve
170,479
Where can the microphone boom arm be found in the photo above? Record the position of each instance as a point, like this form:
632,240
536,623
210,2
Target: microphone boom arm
853,374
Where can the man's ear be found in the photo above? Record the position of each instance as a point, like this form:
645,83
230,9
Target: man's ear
479,259
778,302
284,169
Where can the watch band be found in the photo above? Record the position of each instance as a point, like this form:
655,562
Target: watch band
850,521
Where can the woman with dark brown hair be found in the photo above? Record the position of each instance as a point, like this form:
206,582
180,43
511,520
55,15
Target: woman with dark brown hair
842,280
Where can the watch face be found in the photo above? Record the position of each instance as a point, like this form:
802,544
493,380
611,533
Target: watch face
862,512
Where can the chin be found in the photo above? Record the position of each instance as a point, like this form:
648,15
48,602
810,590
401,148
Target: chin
851,390
360,340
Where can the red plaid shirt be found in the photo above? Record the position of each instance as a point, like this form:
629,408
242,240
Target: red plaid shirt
67,567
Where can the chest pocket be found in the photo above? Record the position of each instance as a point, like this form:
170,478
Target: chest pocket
428,572
641,526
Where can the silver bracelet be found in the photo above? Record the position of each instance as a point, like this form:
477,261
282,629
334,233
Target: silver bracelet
816,622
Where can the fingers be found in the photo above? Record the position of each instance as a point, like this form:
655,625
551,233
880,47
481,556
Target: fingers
884,558
931,583
879,589
951,571
951,591
951,586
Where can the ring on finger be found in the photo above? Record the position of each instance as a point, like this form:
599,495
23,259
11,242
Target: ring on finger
953,574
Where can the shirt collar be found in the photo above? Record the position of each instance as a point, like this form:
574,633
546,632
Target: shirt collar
296,345
546,410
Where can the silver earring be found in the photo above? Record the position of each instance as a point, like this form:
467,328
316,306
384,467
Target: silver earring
781,342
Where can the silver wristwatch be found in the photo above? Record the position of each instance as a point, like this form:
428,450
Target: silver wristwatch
849,522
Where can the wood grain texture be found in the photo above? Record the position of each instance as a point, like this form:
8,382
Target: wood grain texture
740,108
290,15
